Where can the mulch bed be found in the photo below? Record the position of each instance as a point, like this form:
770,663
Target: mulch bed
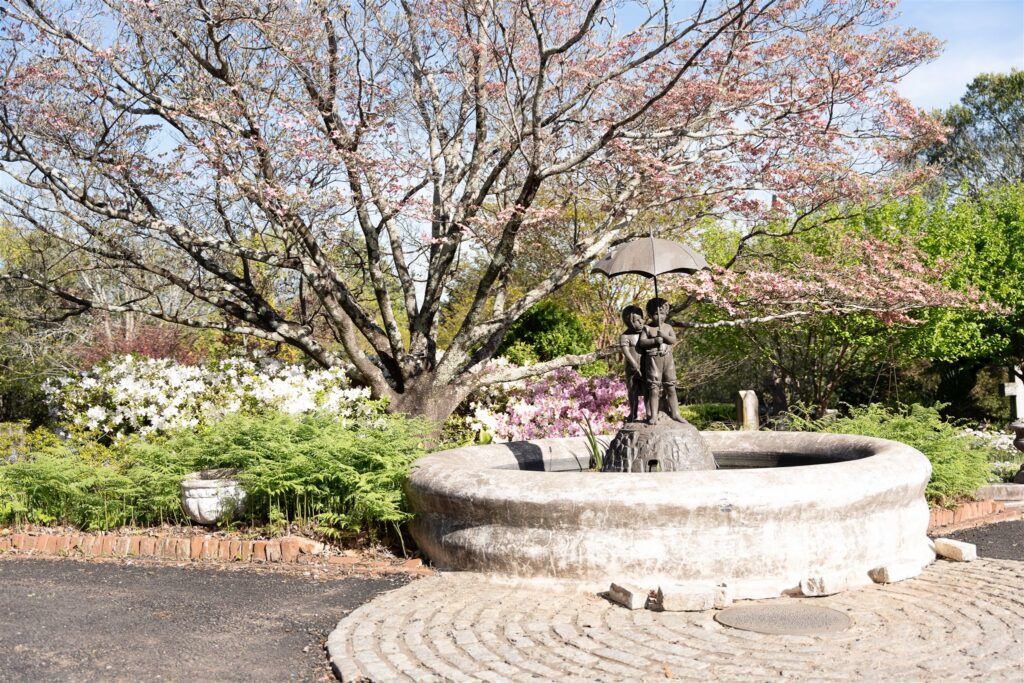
1002,541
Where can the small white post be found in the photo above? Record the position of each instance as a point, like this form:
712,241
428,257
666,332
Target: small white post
1014,390
747,410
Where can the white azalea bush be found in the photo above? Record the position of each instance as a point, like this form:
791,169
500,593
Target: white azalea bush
130,395
1004,459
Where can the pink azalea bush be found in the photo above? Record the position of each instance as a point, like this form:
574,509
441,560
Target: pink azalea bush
554,405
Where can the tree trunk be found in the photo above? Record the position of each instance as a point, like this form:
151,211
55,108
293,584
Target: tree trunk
426,397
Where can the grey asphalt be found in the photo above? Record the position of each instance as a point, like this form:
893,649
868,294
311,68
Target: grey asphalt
64,620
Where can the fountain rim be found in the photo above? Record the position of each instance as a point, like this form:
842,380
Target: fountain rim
483,474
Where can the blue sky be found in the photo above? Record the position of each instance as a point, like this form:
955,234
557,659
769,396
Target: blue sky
980,36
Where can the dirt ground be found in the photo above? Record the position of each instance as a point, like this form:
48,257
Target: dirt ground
1002,541
64,619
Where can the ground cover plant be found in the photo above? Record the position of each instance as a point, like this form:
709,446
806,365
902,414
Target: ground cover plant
312,470
959,465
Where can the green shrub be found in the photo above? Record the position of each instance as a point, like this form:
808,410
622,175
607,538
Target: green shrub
546,331
959,465
709,415
91,487
301,468
344,476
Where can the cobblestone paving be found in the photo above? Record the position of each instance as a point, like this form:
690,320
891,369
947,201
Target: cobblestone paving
954,622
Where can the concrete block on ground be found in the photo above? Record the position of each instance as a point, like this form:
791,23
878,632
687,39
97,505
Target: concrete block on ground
686,598
956,550
823,584
628,595
724,596
893,573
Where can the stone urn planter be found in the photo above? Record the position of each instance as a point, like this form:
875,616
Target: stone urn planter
212,496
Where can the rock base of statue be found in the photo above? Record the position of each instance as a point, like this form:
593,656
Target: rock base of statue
668,446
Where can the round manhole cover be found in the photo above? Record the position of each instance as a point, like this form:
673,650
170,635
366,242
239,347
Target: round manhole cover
792,619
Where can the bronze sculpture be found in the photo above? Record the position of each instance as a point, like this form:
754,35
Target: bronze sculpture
657,364
633,317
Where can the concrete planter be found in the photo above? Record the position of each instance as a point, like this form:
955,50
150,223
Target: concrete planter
212,496
785,510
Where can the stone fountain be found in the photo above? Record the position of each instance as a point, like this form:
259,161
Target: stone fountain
760,513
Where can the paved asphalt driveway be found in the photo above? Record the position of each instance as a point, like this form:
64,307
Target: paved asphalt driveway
63,620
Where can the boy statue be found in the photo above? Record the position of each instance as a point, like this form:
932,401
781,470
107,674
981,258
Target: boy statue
633,317
656,363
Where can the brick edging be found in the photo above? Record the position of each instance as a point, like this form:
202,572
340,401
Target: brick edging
285,550
940,517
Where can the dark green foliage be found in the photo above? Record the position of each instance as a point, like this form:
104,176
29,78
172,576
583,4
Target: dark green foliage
959,464
545,332
295,469
92,487
709,415
985,144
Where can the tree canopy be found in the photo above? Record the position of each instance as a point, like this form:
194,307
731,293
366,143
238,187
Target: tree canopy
313,174
985,143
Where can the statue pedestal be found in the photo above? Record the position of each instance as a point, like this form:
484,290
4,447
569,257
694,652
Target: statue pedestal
668,446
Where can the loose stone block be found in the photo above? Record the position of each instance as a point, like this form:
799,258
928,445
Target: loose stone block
893,573
196,547
260,551
147,547
686,598
724,596
628,595
823,584
956,550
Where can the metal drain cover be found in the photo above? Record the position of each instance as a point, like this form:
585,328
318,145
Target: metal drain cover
786,619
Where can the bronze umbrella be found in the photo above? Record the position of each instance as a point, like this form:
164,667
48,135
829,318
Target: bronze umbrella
651,257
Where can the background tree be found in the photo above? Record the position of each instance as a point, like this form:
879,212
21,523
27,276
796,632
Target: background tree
312,174
985,143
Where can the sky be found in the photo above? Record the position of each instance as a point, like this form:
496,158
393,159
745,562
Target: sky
981,36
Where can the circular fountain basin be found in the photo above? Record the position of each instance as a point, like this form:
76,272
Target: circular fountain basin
785,510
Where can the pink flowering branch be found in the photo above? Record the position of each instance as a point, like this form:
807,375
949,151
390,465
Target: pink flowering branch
317,172
887,280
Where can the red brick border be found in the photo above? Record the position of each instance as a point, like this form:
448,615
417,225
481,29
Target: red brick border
965,512
285,550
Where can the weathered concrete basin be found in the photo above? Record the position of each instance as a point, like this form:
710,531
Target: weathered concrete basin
784,508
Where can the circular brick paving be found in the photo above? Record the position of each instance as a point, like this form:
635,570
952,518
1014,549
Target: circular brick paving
954,621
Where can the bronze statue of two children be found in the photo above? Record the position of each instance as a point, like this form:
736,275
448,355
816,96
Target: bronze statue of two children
650,367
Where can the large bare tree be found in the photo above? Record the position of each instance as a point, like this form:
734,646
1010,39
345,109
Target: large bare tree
311,173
